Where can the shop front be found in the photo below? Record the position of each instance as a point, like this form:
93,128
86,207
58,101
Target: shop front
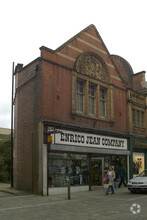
138,159
82,158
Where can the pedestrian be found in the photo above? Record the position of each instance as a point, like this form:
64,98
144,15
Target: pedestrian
111,177
122,174
116,179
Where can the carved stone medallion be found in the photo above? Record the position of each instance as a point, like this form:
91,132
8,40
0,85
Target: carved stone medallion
91,65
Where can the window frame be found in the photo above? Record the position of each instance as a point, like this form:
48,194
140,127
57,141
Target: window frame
142,119
92,97
86,112
103,102
133,117
80,94
137,117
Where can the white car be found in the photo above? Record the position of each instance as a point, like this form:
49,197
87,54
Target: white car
138,183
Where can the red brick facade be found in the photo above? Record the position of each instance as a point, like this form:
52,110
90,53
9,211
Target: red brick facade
46,93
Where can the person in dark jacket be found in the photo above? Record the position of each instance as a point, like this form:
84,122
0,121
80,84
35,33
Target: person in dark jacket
122,174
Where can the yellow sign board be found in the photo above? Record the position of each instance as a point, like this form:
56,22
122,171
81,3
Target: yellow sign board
49,139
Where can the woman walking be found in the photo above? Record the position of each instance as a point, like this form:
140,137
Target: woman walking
111,177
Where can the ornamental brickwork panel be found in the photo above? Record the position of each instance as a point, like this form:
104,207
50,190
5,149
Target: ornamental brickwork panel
91,65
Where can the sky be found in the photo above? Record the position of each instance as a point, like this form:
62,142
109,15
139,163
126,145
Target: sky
26,25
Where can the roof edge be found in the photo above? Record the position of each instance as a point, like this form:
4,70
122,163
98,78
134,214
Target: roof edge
68,41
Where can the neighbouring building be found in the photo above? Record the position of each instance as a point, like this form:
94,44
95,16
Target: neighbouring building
137,114
83,99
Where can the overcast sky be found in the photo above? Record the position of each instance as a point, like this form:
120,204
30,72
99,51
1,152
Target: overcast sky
26,25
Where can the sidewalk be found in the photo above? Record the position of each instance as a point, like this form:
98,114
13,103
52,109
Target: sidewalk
6,188
89,205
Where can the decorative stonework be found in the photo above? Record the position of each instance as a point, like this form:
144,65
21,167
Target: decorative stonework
91,65
138,131
137,98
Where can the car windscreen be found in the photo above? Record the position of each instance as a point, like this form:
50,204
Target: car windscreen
143,174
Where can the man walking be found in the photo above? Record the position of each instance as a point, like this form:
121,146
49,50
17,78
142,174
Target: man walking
122,174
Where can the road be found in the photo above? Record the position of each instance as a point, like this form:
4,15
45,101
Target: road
93,205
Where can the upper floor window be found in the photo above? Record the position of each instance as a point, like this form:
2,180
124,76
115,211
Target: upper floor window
137,118
92,92
133,116
91,87
142,119
80,96
90,98
103,92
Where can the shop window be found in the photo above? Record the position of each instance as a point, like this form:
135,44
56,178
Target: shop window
92,93
64,167
106,164
117,161
138,163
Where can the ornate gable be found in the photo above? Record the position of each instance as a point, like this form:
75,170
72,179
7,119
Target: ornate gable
92,65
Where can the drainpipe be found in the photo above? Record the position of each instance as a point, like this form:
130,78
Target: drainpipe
12,104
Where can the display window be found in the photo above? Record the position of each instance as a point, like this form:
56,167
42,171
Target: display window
138,163
64,167
117,161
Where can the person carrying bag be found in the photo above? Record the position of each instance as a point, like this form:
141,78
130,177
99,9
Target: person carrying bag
111,177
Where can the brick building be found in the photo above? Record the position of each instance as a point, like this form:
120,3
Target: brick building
136,88
78,94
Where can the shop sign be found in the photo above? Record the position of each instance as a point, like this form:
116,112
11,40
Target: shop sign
89,140
138,143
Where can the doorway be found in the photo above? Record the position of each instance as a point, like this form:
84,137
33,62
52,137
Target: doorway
97,172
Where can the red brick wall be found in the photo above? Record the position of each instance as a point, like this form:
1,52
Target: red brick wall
139,81
56,92
57,104
49,96
25,131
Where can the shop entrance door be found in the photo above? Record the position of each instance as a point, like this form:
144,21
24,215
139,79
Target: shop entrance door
97,172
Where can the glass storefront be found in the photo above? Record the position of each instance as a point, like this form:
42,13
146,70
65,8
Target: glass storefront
115,160
138,163
118,161
74,167
64,167
96,171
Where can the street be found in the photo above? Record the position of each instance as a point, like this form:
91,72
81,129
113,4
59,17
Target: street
92,205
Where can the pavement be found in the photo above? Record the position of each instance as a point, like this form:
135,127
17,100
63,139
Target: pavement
91,205
6,189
